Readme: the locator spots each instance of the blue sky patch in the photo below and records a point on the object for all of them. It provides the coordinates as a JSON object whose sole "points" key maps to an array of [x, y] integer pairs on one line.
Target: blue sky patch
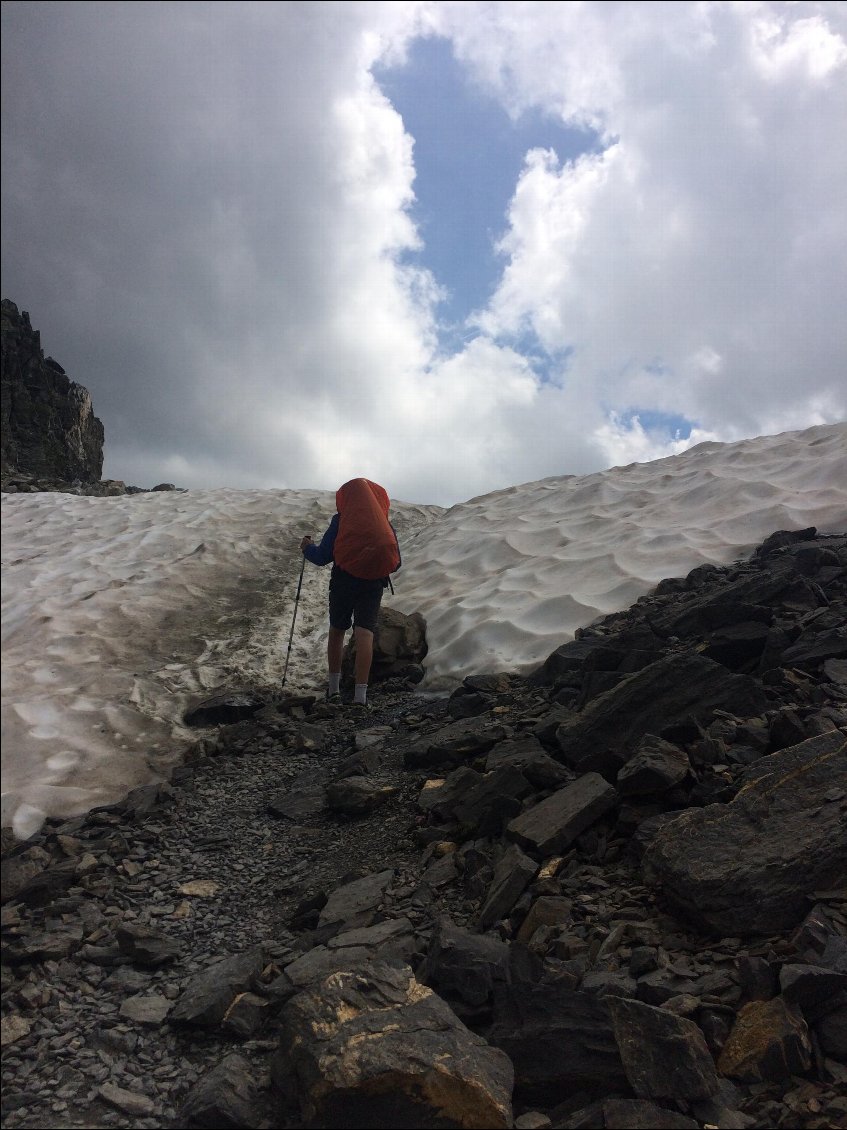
{"points": [[468, 155], [675, 427]]}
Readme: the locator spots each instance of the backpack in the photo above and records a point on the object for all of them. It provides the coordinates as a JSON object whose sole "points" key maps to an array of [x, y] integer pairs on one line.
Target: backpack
{"points": [[366, 544]]}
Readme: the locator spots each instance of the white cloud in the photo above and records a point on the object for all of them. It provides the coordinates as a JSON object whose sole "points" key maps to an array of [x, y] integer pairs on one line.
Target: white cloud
{"points": [[625, 442], [691, 267], [784, 48], [207, 213]]}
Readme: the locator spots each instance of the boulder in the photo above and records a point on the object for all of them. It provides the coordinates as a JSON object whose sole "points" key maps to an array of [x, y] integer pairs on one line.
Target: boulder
{"points": [[629, 650], [246, 1015], [483, 808], [439, 796], [547, 910], [317, 964], [224, 710], [303, 799], [814, 648], [656, 766], [23, 871], [376, 1048], [749, 867], [737, 644], [748, 596], [225, 1097], [781, 539], [813, 989], [768, 1042], [356, 796], [149, 1011], [831, 1032], [208, 996], [463, 968], [146, 946], [393, 940], [559, 1040], [628, 1114], [399, 648], [130, 1103], [664, 1056]]}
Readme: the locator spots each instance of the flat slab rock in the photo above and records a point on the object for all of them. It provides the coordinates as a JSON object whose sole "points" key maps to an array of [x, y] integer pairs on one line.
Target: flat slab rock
{"points": [[555, 823], [357, 900], [303, 799], [512, 875], [528, 755], [392, 940], [454, 744], [749, 867]]}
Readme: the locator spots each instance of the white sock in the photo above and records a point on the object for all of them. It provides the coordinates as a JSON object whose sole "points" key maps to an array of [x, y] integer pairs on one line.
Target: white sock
{"points": [[334, 683], [360, 694]]}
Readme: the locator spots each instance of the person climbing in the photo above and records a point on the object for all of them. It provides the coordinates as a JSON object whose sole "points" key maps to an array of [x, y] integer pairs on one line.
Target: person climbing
{"points": [[362, 545]]}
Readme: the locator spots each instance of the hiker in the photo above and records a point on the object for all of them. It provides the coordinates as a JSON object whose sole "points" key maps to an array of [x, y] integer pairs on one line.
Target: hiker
{"points": [[362, 545]]}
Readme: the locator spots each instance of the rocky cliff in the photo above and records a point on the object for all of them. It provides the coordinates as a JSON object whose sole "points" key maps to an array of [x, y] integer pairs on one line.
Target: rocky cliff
{"points": [[49, 426]]}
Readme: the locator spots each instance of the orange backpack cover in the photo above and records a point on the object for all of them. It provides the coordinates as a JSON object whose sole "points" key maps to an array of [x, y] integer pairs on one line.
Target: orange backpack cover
{"points": [[366, 545]]}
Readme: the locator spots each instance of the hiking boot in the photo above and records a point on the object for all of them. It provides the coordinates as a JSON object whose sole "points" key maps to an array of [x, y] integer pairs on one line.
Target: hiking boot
{"points": [[364, 707], [333, 699]]}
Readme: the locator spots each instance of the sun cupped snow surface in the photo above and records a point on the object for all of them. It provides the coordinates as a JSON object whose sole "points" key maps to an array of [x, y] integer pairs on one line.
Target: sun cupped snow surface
{"points": [[504, 579], [118, 613]]}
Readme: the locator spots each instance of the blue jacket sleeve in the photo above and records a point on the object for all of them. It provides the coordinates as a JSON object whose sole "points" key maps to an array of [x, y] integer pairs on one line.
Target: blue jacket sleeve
{"points": [[321, 554]]}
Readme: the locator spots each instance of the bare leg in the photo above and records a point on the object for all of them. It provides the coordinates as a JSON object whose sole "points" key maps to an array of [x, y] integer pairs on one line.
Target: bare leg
{"points": [[364, 654], [334, 650]]}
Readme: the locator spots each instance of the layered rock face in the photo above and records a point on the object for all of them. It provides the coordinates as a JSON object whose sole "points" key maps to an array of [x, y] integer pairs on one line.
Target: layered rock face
{"points": [[49, 427]]}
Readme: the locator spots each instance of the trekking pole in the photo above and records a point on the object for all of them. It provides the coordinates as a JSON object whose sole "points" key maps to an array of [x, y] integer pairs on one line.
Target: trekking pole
{"points": [[293, 618]]}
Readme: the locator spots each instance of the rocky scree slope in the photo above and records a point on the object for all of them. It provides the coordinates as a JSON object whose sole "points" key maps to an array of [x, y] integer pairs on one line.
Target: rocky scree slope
{"points": [[607, 895]]}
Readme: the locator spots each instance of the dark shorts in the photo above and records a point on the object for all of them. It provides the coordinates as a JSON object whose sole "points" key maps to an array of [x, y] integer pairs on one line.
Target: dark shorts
{"points": [[353, 600]]}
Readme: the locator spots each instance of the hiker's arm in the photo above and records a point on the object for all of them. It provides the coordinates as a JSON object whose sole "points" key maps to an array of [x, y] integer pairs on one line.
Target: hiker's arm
{"points": [[321, 554]]}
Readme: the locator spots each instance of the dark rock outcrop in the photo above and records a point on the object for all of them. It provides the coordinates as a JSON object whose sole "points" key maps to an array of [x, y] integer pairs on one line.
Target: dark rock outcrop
{"points": [[49, 429], [665, 695]]}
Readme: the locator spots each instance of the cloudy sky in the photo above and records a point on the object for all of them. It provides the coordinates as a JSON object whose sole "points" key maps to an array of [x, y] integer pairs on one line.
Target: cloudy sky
{"points": [[449, 246]]}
